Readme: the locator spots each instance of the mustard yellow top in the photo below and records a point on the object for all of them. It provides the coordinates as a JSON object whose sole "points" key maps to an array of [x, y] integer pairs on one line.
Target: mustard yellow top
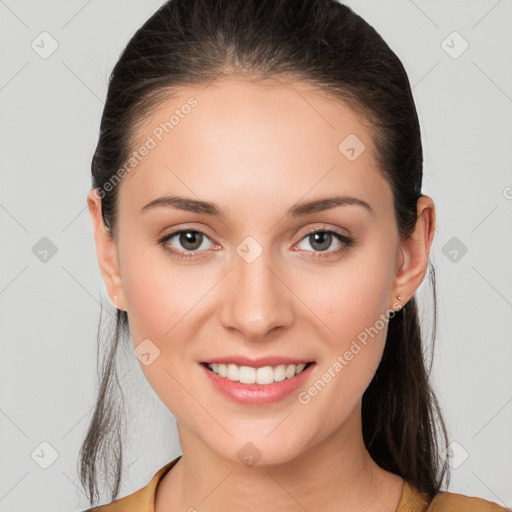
{"points": [[411, 500]]}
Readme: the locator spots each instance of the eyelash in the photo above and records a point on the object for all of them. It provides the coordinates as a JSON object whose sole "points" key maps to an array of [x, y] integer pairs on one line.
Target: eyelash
{"points": [[346, 241]]}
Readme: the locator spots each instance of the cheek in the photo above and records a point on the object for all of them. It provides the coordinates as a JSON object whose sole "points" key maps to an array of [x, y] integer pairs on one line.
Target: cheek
{"points": [[160, 296], [353, 296], [354, 305], [161, 303]]}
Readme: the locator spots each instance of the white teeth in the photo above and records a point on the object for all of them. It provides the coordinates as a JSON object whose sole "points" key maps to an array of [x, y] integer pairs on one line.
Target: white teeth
{"points": [[264, 375], [280, 373], [300, 367], [232, 372], [247, 375], [222, 370]]}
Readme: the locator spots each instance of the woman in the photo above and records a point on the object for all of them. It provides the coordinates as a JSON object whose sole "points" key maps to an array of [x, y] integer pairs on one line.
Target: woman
{"points": [[260, 227]]}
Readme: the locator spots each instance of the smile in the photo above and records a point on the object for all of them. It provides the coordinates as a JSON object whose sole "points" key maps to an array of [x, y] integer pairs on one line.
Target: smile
{"points": [[257, 386], [263, 376]]}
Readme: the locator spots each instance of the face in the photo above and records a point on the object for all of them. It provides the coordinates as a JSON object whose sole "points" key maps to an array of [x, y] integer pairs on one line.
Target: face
{"points": [[253, 281]]}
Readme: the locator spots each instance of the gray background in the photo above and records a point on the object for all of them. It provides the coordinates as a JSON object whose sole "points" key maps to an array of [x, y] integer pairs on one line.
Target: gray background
{"points": [[49, 310]]}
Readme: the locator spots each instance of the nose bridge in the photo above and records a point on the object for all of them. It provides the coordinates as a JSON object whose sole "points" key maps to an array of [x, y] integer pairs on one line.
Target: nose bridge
{"points": [[257, 301]]}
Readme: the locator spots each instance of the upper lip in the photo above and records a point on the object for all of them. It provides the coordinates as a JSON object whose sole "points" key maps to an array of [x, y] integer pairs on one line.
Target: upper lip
{"points": [[258, 362]]}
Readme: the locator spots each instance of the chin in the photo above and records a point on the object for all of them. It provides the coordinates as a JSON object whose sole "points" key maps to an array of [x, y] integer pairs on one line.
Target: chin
{"points": [[254, 448]]}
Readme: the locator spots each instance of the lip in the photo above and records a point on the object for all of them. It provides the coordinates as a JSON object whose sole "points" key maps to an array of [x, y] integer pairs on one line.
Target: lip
{"points": [[256, 394], [259, 362]]}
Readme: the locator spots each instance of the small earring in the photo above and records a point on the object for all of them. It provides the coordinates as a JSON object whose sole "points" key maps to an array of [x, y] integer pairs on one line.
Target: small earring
{"points": [[115, 298], [399, 299]]}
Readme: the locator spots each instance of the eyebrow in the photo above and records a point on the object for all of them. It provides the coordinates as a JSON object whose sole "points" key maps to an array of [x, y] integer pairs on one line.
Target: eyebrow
{"points": [[297, 210]]}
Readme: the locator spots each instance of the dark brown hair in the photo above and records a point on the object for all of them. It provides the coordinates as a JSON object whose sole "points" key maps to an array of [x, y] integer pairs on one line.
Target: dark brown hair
{"points": [[325, 44]]}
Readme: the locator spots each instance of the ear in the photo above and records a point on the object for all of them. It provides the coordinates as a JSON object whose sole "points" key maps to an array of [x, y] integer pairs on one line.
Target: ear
{"points": [[106, 251], [415, 251]]}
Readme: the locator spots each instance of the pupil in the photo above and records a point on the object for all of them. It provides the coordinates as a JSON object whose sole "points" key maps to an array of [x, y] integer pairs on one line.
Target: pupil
{"points": [[325, 240], [188, 238]]}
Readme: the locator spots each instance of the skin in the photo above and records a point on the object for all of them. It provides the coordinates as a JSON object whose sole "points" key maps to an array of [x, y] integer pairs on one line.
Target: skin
{"points": [[256, 149]]}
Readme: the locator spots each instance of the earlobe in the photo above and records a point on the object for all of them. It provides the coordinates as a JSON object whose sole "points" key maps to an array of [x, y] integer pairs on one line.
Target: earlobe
{"points": [[415, 251], [106, 251]]}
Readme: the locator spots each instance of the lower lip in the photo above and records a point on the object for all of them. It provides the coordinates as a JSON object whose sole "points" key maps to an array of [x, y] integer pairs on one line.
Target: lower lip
{"points": [[257, 393]]}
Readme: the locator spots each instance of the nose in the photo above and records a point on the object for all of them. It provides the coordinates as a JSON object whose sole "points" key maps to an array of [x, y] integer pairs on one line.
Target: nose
{"points": [[256, 300]]}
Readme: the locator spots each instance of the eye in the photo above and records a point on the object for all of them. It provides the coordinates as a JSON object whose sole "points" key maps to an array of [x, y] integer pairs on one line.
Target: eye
{"points": [[321, 239], [190, 240]]}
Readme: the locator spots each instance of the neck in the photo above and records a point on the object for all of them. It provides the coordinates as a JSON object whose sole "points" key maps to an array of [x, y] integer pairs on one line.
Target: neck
{"points": [[335, 474]]}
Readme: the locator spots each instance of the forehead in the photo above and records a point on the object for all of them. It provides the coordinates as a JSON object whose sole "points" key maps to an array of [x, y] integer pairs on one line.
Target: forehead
{"points": [[289, 109], [271, 137]]}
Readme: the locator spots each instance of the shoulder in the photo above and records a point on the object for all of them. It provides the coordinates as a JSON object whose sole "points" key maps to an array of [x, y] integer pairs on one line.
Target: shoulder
{"points": [[140, 501], [414, 501], [448, 502]]}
